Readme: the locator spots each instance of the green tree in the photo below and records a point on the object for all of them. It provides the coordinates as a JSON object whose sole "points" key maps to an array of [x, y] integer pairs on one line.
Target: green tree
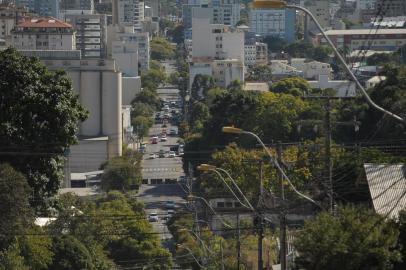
{"points": [[142, 124], [300, 49], [294, 85], [36, 249], [402, 240], [275, 44], [353, 239], [39, 116], [201, 85], [148, 97], [153, 78], [121, 173], [70, 253], [322, 53], [161, 49], [199, 114], [14, 206], [176, 34], [260, 74], [11, 259]]}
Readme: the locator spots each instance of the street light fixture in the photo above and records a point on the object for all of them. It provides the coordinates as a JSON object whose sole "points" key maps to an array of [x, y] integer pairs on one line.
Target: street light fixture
{"points": [[283, 4], [234, 130], [208, 167], [191, 253], [198, 238], [191, 197]]}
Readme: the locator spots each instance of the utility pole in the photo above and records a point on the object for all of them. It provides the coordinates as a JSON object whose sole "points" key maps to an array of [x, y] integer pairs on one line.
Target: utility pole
{"points": [[282, 229], [328, 163], [238, 242], [261, 222], [222, 257]]}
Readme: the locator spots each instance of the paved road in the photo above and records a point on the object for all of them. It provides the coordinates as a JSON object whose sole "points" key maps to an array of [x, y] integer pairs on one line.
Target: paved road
{"points": [[155, 195]]}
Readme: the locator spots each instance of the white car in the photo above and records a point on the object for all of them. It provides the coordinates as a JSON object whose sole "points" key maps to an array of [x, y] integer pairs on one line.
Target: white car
{"points": [[164, 139], [152, 156], [171, 154], [153, 217]]}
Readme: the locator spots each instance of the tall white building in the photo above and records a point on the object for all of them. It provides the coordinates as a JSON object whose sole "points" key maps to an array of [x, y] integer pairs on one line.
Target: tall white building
{"points": [[129, 36], [9, 14], [226, 12], [216, 40], [91, 34], [43, 34], [321, 10], [217, 50], [266, 21], [128, 13], [126, 56]]}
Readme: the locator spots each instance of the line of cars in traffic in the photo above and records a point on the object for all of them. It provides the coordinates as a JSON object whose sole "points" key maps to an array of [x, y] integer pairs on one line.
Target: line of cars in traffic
{"points": [[170, 207]]}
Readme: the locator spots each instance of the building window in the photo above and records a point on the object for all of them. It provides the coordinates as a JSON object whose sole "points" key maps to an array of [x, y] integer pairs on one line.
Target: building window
{"points": [[220, 204], [229, 204]]}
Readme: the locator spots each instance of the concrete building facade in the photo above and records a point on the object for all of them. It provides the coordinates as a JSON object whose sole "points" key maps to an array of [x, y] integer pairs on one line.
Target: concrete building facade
{"points": [[359, 39], [216, 40], [128, 13], [44, 8], [273, 22], [43, 34], [129, 36], [91, 34], [9, 14], [126, 56]]}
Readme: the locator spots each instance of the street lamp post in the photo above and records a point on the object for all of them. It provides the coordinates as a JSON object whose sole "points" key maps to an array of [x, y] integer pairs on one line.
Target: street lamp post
{"points": [[234, 130], [207, 167], [191, 253], [283, 4], [211, 208]]}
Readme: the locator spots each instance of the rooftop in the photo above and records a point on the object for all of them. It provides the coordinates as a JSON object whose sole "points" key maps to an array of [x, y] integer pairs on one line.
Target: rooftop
{"points": [[364, 32], [387, 186], [43, 23]]}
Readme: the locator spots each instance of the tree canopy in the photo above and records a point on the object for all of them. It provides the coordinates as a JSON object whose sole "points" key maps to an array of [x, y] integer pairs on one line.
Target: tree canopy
{"points": [[353, 239], [39, 116], [161, 49]]}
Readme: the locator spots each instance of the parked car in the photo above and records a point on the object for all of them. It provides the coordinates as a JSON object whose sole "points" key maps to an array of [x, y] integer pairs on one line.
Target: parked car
{"points": [[154, 140], [152, 156], [161, 153], [163, 138], [153, 217], [171, 154], [173, 131], [170, 205]]}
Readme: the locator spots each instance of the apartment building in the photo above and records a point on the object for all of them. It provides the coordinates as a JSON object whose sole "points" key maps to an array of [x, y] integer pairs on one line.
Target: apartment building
{"points": [[267, 21], [43, 34], [321, 10], [9, 14], [311, 69], [77, 5], [391, 8], [358, 39], [126, 56], [129, 36], [43, 8], [255, 53], [216, 40], [91, 34], [128, 13], [225, 12]]}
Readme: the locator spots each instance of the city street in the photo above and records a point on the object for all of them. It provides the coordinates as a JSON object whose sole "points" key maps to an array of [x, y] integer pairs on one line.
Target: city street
{"points": [[161, 174]]}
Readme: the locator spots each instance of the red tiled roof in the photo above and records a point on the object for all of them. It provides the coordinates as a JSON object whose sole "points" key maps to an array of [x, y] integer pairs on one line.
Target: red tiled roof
{"points": [[43, 23]]}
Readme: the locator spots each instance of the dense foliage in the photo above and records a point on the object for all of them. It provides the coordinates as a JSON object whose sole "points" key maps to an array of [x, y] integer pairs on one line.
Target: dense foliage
{"points": [[39, 116]]}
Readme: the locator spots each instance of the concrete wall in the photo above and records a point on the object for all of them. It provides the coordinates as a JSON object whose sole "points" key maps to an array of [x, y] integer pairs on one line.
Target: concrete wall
{"points": [[88, 155], [131, 87]]}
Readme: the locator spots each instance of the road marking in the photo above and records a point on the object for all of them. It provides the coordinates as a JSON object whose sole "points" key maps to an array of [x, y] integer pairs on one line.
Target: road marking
{"points": [[160, 169]]}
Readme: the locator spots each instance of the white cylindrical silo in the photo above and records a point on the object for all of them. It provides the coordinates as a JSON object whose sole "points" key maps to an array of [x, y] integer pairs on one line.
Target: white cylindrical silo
{"points": [[111, 111], [91, 100]]}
